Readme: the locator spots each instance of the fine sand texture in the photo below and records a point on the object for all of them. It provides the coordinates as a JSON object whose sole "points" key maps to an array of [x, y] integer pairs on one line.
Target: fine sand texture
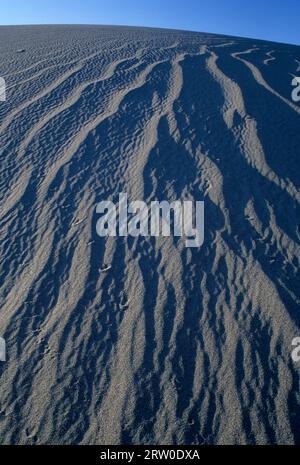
{"points": [[169, 345]]}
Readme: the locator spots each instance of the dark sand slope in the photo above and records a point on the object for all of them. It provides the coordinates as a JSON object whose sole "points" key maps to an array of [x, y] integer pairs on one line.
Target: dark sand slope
{"points": [[171, 345]]}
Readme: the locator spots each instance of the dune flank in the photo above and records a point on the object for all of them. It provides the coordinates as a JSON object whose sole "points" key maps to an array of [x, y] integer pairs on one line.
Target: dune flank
{"points": [[170, 344]]}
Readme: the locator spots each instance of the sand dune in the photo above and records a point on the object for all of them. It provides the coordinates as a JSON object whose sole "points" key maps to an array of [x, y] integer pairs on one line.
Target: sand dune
{"points": [[168, 345]]}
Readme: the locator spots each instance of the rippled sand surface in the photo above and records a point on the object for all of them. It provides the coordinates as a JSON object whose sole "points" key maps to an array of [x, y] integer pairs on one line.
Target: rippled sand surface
{"points": [[172, 345]]}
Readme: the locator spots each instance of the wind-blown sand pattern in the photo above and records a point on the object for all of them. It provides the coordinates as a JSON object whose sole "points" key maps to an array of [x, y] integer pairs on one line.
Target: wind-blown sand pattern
{"points": [[170, 345]]}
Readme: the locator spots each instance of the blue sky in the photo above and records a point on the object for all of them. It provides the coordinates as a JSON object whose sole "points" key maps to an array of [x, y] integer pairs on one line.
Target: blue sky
{"points": [[277, 20]]}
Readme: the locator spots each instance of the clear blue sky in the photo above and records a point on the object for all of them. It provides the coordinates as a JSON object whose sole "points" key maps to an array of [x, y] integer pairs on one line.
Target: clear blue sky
{"points": [[277, 20]]}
